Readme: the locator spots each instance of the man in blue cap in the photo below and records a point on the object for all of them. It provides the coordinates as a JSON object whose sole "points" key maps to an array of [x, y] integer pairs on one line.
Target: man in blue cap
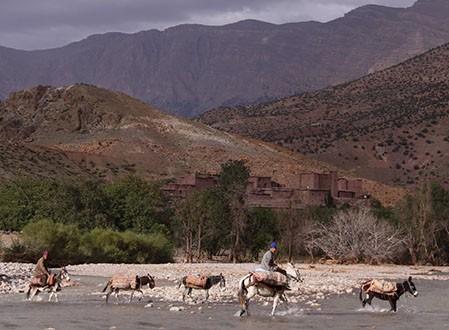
{"points": [[268, 263]]}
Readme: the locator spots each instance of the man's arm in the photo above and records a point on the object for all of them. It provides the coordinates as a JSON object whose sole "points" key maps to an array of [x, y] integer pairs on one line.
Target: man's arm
{"points": [[267, 260]]}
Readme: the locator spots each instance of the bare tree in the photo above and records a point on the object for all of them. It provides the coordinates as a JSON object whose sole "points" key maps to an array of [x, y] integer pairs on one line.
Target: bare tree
{"points": [[424, 218], [358, 236], [295, 225]]}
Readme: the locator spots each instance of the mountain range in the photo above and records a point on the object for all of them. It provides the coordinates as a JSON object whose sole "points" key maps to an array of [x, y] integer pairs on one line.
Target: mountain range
{"points": [[189, 69], [391, 126]]}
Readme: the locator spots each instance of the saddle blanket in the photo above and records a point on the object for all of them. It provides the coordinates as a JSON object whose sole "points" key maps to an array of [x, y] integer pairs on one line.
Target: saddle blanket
{"points": [[38, 281], [383, 287], [197, 281], [271, 278], [41, 280], [120, 281]]}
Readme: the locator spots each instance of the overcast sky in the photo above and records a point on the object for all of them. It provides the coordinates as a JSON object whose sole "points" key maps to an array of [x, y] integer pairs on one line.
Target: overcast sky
{"points": [[42, 24]]}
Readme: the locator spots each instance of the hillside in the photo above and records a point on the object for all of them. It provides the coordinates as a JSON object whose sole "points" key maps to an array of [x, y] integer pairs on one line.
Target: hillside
{"points": [[189, 69], [82, 131], [391, 126]]}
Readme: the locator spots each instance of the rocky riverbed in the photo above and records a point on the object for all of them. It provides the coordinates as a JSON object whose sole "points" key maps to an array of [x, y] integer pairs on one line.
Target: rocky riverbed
{"points": [[320, 280]]}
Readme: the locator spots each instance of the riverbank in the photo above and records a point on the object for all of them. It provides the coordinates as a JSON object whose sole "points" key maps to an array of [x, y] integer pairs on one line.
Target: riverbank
{"points": [[320, 280]]}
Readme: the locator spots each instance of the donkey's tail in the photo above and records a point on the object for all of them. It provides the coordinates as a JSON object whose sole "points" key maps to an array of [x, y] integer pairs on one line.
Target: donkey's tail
{"points": [[242, 289], [361, 293], [182, 281], [109, 283]]}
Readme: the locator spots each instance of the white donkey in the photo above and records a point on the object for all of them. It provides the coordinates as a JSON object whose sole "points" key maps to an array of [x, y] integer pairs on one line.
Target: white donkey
{"points": [[250, 286]]}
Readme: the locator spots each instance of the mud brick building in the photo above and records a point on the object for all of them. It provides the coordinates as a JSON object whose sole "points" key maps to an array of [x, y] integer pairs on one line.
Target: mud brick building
{"points": [[309, 189], [184, 185]]}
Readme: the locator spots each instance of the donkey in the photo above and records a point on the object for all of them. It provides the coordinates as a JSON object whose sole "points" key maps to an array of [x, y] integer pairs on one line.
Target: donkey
{"points": [[123, 282], [392, 297], [200, 282], [250, 286], [53, 288]]}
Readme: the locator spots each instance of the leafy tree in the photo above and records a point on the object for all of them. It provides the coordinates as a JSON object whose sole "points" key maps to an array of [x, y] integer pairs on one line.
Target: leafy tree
{"points": [[93, 209], [134, 204], [186, 216], [261, 228], [217, 225], [27, 199], [232, 182], [199, 219], [20, 198]]}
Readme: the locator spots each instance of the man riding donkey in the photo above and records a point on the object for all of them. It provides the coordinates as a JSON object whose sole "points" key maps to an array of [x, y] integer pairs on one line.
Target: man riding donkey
{"points": [[267, 280], [42, 275], [268, 272]]}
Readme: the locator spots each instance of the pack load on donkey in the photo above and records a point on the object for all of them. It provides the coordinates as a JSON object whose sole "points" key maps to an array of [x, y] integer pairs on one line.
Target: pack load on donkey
{"points": [[383, 287], [201, 282], [121, 281], [271, 278], [196, 281]]}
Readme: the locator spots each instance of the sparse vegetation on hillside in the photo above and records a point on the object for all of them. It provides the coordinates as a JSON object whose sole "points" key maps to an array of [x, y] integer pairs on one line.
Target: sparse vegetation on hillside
{"points": [[389, 126], [119, 135]]}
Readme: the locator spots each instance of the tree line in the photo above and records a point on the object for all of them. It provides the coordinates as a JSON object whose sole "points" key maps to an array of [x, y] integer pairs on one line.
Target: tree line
{"points": [[132, 220]]}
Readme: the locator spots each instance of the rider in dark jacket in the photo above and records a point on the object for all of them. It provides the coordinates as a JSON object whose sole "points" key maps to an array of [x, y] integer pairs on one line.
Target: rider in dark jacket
{"points": [[41, 270]]}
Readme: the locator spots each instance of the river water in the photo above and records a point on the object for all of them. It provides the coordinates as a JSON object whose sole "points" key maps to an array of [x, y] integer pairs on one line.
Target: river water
{"points": [[82, 307]]}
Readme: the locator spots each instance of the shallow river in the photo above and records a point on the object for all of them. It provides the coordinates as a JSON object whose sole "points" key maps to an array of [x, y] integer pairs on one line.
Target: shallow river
{"points": [[78, 308]]}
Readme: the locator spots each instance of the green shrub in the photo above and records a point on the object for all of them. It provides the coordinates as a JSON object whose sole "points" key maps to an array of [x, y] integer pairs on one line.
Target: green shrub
{"points": [[62, 241], [102, 245], [107, 245]]}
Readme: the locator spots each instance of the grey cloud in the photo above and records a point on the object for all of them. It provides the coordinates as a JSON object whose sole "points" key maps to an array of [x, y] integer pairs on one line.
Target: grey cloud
{"points": [[31, 24]]}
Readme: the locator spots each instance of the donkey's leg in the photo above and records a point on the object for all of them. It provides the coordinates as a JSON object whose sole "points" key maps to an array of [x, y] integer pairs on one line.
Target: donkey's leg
{"points": [[370, 298], [206, 294], [243, 293], [252, 291], [284, 299], [365, 299], [31, 293], [275, 302], [393, 304], [184, 294], [111, 289], [28, 292], [116, 291], [53, 293], [141, 294], [132, 294]]}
